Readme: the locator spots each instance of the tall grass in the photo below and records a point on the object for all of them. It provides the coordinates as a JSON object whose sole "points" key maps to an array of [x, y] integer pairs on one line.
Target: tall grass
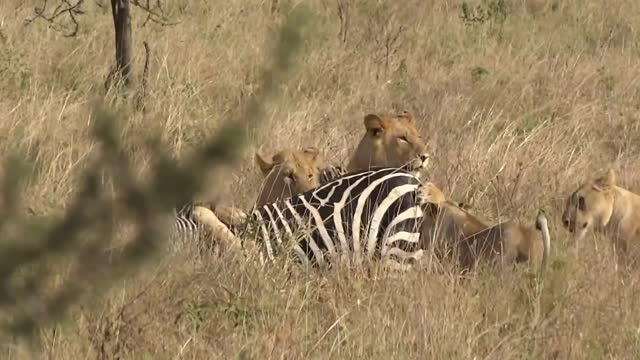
{"points": [[519, 105]]}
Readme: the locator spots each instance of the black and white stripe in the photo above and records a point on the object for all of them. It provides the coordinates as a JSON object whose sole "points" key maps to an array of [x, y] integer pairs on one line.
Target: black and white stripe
{"points": [[371, 214], [331, 173], [185, 228], [185, 222]]}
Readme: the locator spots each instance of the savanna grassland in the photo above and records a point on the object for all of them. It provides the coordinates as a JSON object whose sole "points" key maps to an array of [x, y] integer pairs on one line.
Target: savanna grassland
{"points": [[520, 100]]}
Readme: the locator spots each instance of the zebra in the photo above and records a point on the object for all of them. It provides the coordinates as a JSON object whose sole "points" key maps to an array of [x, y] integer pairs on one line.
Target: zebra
{"points": [[368, 214]]}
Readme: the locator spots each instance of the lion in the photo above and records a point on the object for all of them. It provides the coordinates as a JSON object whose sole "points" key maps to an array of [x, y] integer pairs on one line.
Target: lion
{"points": [[289, 172], [392, 141], [600, 204], [286, 172], [507, 242]]}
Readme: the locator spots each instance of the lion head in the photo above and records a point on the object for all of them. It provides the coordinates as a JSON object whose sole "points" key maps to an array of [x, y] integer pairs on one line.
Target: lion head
{"points": [[289, 172], [390, 141], [591, 206]]}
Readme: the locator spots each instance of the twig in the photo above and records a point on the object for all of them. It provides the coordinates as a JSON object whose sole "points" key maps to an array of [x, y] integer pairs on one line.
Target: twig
{"points": [[326, 333], [343, 15], [155, 16], [184, 346], [145, 79], [67, 7], [72, 8]]}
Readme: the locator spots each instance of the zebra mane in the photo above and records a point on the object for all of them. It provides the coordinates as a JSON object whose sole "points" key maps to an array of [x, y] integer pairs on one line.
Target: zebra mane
{"points": [[332, 173], [184, 209]]}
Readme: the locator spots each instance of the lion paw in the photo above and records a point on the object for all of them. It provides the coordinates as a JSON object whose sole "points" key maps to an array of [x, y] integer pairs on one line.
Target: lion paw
{"points": [[430, 193]]}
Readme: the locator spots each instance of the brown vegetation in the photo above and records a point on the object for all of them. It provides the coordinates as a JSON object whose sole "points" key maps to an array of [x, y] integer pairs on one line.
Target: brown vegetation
{"points": [[521, 101]]}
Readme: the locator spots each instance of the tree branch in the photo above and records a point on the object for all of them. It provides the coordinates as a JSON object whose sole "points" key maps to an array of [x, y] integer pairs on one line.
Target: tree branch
{"points": [[155, 13], [63, 17], [69, 7], [141, 105]]}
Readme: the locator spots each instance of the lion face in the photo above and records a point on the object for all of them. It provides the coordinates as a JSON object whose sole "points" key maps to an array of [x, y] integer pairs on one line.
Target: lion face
{"points": [[289, 172], [390, 141], [590, 206]]}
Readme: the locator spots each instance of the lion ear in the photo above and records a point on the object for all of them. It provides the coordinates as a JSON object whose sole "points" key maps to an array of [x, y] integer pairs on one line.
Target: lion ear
{"points": [[607, 181], [312, 152], [611, 178], [281, 156], [265, 162], [408, 117], [374, 124]]}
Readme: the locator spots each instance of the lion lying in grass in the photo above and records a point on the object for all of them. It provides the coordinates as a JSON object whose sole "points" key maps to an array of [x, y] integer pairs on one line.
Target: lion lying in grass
{"points": [[474, 241]]}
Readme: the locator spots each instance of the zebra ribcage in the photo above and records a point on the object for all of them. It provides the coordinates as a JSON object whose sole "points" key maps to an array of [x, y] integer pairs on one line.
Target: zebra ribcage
{"points": [[370, 214], [186, 230], [186, 226]]}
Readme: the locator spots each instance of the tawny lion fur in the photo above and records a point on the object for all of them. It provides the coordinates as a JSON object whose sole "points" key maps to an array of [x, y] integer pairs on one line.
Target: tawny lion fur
{"points": [[289, 172], [392, 141], [474, 240], [286, 172], [601, 205]]}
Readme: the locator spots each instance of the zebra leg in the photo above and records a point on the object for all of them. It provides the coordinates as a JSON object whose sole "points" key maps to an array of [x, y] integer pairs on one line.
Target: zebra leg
{"points": [[219, 230]]}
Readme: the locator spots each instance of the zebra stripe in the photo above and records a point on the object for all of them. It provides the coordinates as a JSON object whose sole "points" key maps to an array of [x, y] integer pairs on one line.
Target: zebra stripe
{"points": [[186, 229], [374, 213], [381, 210], [186, 225], [337, 214], [318, 254]]}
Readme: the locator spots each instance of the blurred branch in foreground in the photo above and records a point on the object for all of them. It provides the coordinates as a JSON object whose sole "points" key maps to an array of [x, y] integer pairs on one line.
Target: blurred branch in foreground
{"points": [[47, 263]]}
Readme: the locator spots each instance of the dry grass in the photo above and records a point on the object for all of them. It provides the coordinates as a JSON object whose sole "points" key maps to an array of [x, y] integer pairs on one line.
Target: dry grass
{"points": [[518, 111]]}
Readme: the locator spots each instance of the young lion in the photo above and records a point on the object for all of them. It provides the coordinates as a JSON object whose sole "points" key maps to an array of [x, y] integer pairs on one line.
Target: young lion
{"points": [[601, 205], [286, 172], [474, 240], [289, 172]]}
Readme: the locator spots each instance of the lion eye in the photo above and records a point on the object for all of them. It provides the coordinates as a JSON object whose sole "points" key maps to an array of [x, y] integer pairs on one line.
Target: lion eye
{"points": [[404, 138], [582, 205], [376, 132]]}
